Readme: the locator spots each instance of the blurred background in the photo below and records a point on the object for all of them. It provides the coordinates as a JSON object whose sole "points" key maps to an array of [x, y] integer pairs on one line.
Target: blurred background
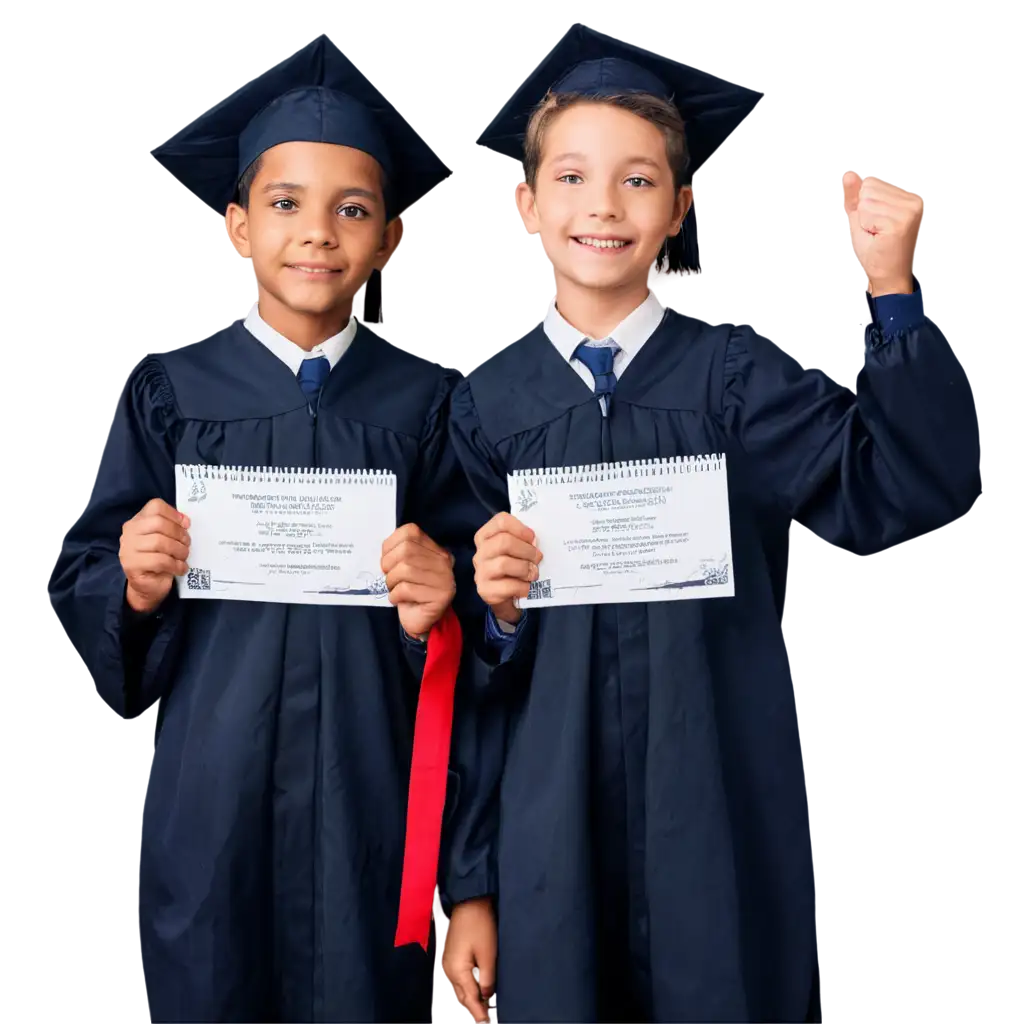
{"points": [[909, 665]]}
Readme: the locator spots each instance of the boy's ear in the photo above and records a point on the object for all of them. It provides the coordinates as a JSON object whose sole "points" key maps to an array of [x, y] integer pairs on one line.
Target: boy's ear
{"points": [[237, 221], [684, 200], [389, 243], [524, 207]]}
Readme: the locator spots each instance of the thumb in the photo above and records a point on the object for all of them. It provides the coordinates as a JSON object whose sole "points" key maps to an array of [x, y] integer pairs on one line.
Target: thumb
{"points": [[850, 189]]}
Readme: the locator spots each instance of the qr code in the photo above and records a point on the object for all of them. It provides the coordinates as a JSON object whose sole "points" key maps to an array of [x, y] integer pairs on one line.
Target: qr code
{"points": [[540, 588], [199, 579]]}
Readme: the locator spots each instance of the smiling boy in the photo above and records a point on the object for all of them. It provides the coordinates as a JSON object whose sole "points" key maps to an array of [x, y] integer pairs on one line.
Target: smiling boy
{"points": [[644, 852], [276, 810]]}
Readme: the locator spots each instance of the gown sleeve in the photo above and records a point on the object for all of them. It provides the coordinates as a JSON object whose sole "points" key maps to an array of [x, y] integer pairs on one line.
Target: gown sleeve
{"points": [[441, 505], [868, 470], [469, 852], [129, 656]]}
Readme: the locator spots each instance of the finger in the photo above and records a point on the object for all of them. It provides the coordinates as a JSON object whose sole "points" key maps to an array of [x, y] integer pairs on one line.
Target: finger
{"points": [[418, 593], [159, 507], [486, 965], [428, 542], [157, 524], [439, 579], [878, 208], [471, 994], [881, 193], [410, 532], [407, 532], [157, 542], [155, 565], [504, 567], [413, 552], [507, 544], [503, 522], [875, 222], [494, 592], [459, 1001]]}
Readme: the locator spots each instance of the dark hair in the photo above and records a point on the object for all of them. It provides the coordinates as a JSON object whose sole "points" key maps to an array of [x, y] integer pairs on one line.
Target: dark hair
{"points": [[246, 180], [679, 251]]}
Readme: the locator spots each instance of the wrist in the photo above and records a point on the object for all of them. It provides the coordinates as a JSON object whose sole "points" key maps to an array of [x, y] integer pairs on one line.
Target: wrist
{"points": [[476, 903], [507, 612], [890, 286], [140, 603]]}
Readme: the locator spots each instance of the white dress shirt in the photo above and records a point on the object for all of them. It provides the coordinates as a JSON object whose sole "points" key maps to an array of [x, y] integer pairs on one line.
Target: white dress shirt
{"points": [[630, 336], [291, 354]]}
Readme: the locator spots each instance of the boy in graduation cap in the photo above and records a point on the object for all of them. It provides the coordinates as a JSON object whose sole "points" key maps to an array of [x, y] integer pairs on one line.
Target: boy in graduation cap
{"points": [[645, 849], [272, 851]]}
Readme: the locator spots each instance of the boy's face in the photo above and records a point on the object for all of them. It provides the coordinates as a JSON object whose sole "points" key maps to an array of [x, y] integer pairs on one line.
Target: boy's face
{"points": [[605, 198], [315, 226]]}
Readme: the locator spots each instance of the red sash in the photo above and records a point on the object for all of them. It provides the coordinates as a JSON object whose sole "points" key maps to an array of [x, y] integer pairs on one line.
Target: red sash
{"points": [[428, 781]]}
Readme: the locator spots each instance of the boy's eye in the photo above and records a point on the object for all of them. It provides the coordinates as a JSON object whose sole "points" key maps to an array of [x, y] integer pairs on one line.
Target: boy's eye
{"points": [[575, 179], [636, 181], [284, 204], [352, 212]]}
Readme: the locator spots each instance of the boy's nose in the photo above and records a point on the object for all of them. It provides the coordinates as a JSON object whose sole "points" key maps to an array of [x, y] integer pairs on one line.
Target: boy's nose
{"points": [[320, 232], [605, 204]]}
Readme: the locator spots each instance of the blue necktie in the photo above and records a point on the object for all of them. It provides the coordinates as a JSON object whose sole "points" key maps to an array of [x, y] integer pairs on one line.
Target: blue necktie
{"points": [[599, 360], [311, 376]]}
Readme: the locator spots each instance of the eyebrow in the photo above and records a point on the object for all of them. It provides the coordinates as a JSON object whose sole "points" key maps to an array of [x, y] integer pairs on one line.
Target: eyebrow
{"points": [[629, 160], [642, 160], [291, 186]]}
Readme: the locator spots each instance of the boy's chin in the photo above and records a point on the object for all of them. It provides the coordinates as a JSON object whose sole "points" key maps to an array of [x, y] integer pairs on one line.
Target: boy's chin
{"points": [[301, 301], [601, 278]]}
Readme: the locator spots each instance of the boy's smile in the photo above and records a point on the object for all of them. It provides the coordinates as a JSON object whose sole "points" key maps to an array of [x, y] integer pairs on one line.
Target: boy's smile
{"points": [[314, 268], [315, 228], [604, 244]]}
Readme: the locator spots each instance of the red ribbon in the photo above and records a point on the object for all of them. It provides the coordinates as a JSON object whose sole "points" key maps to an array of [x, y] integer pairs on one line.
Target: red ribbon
{"points": [[428, 781]]}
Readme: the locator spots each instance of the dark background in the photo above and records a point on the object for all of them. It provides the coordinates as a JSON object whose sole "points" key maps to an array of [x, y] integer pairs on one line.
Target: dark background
{"points": [[909, 667]]}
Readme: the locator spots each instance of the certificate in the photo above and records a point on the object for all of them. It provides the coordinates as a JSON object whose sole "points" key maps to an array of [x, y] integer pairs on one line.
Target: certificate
{"points": [[650, 530], [298, 536]]}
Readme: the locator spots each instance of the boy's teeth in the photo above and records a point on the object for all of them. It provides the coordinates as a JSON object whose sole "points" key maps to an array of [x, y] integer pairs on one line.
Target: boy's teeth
{"points": [[603, 243]]}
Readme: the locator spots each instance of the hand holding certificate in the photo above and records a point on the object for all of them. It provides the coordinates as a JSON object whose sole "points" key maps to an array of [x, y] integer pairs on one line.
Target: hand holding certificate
{"points": [[300, 536], [652, 530]]}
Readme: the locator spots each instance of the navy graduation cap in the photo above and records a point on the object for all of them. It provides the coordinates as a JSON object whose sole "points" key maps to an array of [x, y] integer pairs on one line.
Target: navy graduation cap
{"points": [[588, 63], [314, 93]]}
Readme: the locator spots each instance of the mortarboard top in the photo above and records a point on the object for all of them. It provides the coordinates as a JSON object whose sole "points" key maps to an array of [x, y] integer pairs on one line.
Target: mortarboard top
{"points": [[315, 93], [591, 64]]}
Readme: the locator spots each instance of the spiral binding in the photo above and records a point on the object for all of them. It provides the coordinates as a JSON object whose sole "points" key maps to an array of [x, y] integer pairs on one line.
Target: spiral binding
{"points": [[627, 470], [287, 475]]}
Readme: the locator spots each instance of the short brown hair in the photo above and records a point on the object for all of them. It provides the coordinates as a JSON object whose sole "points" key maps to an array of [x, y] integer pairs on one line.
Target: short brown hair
{"points": [[246, 180], [661, 113]]}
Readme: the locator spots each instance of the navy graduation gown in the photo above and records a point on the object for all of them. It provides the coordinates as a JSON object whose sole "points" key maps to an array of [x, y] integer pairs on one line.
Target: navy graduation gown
{"points": [[275, 814], [640, 809]]}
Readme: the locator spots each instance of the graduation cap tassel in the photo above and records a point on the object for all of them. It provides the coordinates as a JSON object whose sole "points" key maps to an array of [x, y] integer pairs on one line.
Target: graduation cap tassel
{"points": [[372, 298], [685, 250]]}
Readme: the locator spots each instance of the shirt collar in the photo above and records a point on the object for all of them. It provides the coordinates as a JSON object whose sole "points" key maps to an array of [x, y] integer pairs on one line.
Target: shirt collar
{"points": [[288, 352], [630, 334]]}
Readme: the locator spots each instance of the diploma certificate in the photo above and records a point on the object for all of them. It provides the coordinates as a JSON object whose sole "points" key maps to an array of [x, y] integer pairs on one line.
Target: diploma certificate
{"points": [[650, 530], [298, 536]]}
